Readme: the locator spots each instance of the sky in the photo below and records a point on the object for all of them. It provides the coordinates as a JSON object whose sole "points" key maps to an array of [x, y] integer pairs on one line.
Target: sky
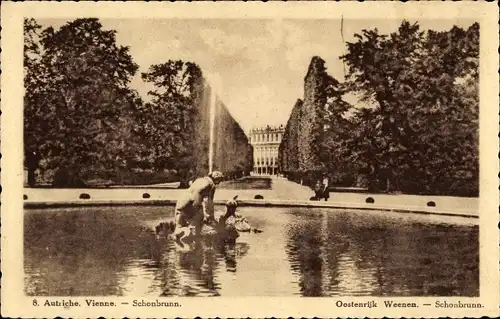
{"points": [[257, 66]]}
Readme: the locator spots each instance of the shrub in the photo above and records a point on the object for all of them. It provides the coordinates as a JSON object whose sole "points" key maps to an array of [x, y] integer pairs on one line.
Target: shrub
{"points": [[66, 177], [370, 200]]}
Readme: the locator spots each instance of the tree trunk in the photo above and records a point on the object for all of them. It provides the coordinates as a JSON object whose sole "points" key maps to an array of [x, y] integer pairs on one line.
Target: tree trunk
{"points": [[31, 177], [388, 185]]}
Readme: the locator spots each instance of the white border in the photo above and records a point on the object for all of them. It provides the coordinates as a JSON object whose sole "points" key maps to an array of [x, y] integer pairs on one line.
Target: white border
{"points": [[15, 303]]}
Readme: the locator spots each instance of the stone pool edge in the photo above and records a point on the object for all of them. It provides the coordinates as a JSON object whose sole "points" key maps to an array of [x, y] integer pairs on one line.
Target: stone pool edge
{"points": [[256, 203]]}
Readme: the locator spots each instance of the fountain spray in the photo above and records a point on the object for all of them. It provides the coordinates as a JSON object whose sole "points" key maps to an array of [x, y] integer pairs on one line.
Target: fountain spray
{"points": [[213, 85], [213, 101]]}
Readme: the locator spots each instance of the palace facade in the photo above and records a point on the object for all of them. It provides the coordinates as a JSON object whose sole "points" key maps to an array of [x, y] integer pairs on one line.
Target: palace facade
{"points": [[265, 142]]}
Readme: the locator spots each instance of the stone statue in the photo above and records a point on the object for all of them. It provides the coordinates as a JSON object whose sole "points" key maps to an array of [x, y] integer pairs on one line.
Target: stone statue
{"points": [[225, 226], [195, 207]]}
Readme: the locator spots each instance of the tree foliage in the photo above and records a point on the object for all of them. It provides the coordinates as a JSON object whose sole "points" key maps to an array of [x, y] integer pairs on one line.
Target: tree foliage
{"points": [[424, 129], [78, 105], [310, 125], [288, 150], [83, 121], [177, 124], [421, 136], [312, 142], [169, 120], [233, 153]]}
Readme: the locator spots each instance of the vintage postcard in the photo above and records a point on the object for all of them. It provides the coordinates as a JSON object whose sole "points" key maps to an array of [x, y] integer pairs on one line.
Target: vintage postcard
{"points": [[231, 159]]}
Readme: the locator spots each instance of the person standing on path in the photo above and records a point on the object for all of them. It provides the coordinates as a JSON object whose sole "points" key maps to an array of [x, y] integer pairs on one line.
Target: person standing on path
{"points": [[32, 161], [318, 190], [326, 187], [196, 205]]}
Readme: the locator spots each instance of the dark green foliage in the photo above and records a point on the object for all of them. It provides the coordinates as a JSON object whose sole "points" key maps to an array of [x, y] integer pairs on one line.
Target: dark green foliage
{"points": [[310, 124], [315, 134], [78, 106], [84, 196], [233, 154], [142, 176], [178, 121], [248, 182], [420, 136], [82, 122], [288, 150], [170, 120]]}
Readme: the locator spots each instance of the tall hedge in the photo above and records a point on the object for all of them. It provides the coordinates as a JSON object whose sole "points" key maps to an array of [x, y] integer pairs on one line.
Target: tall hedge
{"points": [[310, 124], [310, 145], [232, 151], [288, 149]]}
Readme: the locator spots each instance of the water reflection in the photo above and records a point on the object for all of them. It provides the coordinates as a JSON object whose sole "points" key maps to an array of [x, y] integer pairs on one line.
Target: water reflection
{"points": [[187, 271], [304, 250], [113, 251], [80, 253], [356, 254]]}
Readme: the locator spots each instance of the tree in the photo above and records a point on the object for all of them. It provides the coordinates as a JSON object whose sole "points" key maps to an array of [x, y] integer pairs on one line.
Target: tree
{"points": [[448, 123], [172, 117], [379, 67], [77, 113], [417, 80], [337, 129], [177, 123], [33, 79]]}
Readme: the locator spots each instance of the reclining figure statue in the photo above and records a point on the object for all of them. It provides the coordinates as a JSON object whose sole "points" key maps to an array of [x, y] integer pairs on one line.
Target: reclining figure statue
{"points": [[226, 226]]}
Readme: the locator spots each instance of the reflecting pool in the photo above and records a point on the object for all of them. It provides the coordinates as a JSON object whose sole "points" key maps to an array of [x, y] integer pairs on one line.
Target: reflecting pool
{"points": [[113, 251]]}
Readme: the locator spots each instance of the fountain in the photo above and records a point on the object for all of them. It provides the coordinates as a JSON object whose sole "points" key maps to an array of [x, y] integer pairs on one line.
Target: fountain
{"points": [[214, 87], [213, 101]]}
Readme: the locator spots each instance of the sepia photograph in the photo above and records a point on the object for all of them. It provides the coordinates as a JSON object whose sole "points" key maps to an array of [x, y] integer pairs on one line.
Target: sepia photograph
{"points": [[169, 157]]}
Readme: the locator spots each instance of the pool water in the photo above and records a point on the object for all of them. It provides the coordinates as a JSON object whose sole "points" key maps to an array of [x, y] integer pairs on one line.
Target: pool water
{"points": [[307, 252]]}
